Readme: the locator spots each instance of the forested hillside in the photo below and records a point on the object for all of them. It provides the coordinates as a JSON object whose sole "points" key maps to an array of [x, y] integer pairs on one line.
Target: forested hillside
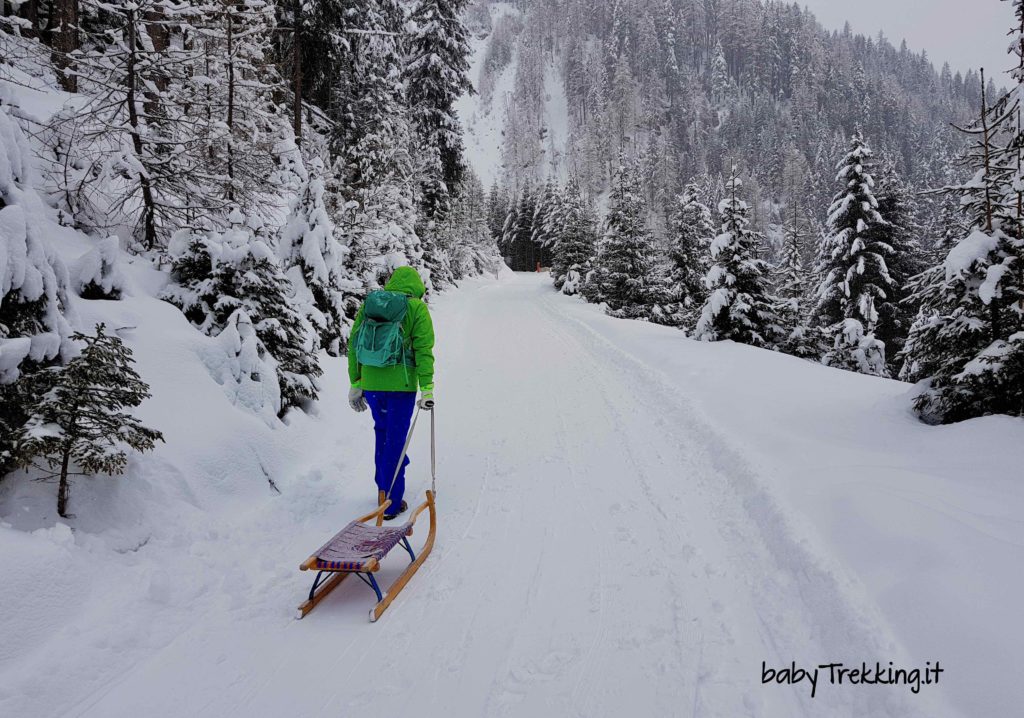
{"points": [[691, 87], [732, 168], [274, 159]]}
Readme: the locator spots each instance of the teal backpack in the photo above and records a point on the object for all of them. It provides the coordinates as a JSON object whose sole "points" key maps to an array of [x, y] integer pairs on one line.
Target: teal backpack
{"points": [[379, 342]]}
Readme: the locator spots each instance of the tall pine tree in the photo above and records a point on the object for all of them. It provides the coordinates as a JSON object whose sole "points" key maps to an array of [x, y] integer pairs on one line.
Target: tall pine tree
{"points": [[967, 344], [576, 238], [852, 264], [435, 77], [739, 306], [621, 271], [690, 234]]}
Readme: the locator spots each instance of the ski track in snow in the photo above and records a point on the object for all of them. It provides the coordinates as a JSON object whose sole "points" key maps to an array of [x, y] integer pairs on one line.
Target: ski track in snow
{"points": [[601, 549]]}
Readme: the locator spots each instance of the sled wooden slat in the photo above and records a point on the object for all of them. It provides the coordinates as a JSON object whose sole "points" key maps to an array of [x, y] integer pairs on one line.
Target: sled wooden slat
{"points": [[400, 582], [332, 559]]}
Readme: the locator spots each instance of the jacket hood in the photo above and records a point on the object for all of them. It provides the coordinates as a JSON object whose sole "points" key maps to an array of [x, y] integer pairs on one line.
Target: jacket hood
{"points": [[407, 281]]}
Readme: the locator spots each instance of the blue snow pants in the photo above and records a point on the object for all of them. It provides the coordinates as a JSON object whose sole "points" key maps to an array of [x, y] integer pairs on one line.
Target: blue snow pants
{"points": [[392, 414]]}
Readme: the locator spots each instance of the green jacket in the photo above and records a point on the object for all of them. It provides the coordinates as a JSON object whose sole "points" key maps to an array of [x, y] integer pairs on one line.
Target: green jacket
{"points": [[416, 326]]}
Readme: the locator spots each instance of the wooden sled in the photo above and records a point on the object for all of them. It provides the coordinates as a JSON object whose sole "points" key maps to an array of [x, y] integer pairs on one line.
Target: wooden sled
{"points": [[359, 548]]}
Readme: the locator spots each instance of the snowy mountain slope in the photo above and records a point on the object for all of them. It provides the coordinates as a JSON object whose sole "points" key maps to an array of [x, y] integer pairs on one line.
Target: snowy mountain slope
{"points": [[619, 508], [484, 117]]}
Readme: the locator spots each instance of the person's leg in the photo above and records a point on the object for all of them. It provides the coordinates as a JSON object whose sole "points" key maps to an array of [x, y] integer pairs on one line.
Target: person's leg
{"points": [[378, 409], [400, 405]]}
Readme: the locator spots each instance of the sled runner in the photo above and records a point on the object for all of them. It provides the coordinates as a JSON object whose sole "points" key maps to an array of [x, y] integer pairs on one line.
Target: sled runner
{"points": [[361, 546]]}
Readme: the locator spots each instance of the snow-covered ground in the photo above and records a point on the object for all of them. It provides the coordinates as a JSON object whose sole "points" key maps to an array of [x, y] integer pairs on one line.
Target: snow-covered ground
{"points": [[629, 522]]}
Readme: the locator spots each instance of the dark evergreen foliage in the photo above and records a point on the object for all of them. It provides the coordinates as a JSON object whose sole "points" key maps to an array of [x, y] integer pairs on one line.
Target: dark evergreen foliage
{"points": [[739, 306], [80, 420], [575, 243], [621, 273], [215, 274], [435, 77]]}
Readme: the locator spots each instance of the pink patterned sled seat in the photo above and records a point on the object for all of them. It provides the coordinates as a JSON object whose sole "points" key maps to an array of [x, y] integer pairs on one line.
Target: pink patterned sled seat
{"points": [[357, 544]]}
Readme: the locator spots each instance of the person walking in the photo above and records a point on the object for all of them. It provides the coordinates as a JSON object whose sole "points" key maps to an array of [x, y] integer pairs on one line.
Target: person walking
{"points": [[391, 356]]}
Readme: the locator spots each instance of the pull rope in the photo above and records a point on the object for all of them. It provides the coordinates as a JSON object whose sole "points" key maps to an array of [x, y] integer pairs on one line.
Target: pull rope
{"points": [[405, 450]]}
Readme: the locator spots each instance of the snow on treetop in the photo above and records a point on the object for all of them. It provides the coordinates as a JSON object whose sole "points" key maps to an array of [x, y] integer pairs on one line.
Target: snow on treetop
{"points": [[13, 153], [974, 247], [722, 242], [730, 203]]}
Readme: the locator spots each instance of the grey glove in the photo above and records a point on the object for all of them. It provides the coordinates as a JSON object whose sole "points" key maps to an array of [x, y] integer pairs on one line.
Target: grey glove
{"points": [[426, 401], [356, 400]]}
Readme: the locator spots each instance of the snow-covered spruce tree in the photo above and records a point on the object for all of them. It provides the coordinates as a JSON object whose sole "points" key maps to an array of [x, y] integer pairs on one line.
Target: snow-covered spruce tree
{"points": [[436, 258], [367, 255], [244, 368], [791, 277], [471, 247], [551, 231], [81, 421], [509, 228], [546, 218], [518, 242], [625, 255], [375, 138], [498, 203], [905, 259], [739, 306], [132, 153], [576, 240], [721, 83], [34, 333], [791, 292], [315, 263], [967, 344], [851, 262], [690, 233], [217, 273], [97, 273], [235, 91], [435, 77]]}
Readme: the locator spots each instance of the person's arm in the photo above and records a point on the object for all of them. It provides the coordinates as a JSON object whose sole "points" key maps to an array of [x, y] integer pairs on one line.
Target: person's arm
{"points": [[423, 346], [354, 372]]}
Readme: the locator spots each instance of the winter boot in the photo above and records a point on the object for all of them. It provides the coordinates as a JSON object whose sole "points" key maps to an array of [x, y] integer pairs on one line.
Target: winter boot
{"points": [[401, 510]]}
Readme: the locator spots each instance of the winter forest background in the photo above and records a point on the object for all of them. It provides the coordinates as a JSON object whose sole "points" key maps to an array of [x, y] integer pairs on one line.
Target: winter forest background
{"points": [[731, 168], [727, 167]]}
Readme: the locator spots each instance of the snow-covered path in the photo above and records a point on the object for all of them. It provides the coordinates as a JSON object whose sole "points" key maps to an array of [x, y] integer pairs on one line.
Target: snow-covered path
{"points": [[602, 550], [604, 546]]}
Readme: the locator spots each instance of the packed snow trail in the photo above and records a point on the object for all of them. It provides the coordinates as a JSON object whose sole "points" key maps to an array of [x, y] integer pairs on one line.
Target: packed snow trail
{"points": [[602, 551]]}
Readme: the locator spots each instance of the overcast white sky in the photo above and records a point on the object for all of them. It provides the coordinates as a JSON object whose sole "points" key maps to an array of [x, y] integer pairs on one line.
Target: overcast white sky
{"points": [[966, 33]]}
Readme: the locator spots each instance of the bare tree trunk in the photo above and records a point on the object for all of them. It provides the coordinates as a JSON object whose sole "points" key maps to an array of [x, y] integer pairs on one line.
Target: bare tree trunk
{"points": [[65, 42], [993, 308], [148, 203], [1020, 222], [1020, 194], [231, 102], [30, 11], [985, 149], [297, 71], [46, 33], [64, 490], [160, 36]]}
